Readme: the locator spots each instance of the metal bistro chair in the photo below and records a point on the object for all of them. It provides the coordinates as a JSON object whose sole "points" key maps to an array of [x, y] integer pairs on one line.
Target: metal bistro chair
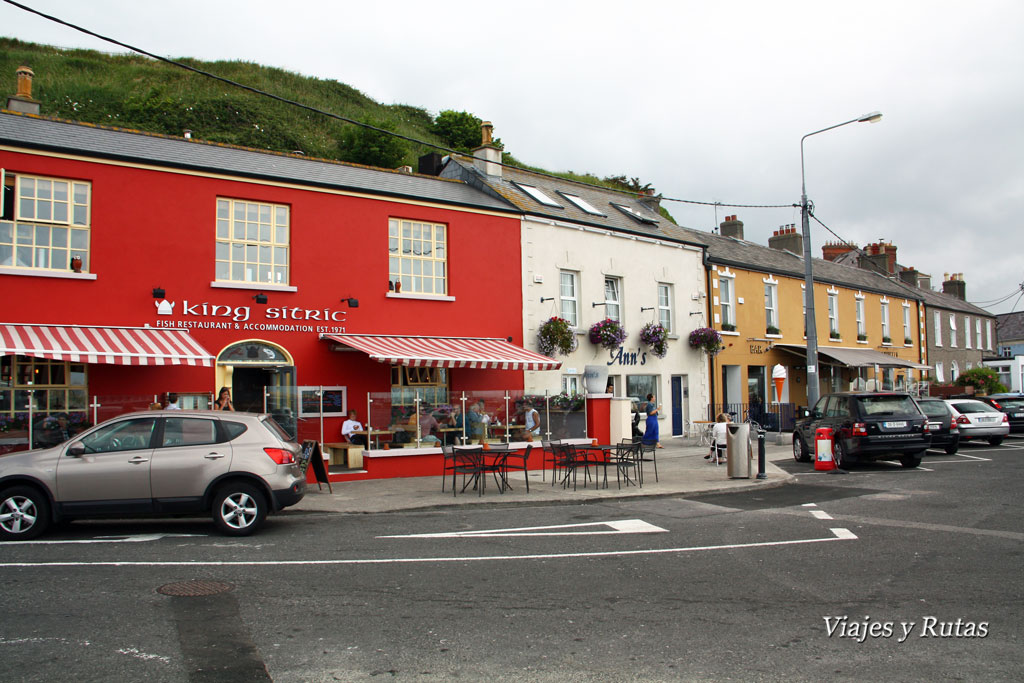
{"points": [[648, 453], [458, 462], [548, 448], [626, 457], [517, 461]]}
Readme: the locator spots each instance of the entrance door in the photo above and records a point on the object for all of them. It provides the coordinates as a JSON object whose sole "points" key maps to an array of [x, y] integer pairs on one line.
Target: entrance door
{"points": [[247, 388], [680, 404]]}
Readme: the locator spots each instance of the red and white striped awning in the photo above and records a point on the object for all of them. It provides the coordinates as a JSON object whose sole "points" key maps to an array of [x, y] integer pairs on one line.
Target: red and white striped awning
{"points": [[115, 345], [446, 352]]}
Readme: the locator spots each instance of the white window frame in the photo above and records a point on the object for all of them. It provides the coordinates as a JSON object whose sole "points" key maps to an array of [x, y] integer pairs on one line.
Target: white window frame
{"points": [[833, 314], [571, 384], [885, 322], [771, 305], [613, 297], [727, 304], [938, 328], [906, 323], [988, 334], [261, 248], [952, 332], [967, 332], [954, 370], [859, 313], [415, 270], [977, 332], [27, 239], [665, 316], [940, 375], [568, 302]]}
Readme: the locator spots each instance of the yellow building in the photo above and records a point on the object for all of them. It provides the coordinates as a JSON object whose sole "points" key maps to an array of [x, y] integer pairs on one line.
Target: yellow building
{"points": [[870, 328]]}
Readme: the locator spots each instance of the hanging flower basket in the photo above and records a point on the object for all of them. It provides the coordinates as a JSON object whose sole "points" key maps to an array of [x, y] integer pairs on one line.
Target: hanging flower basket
{"points": [[706, 339], [656, 337], [556, 336], [608, 333]]}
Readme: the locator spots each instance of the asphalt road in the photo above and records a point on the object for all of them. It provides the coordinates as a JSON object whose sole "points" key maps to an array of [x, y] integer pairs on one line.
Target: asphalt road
{"points": [[883, 573]]}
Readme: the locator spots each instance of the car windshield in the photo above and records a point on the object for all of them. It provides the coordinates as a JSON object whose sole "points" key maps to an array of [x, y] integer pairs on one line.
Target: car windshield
{"points": [[888, 405], [974, 407], [1011, 403], [276, 429], [934, 408]]}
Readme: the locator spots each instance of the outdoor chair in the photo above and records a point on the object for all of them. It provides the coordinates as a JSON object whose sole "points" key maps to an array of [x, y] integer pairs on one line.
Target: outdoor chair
{"points": [[648, 453], [517, 461], [626, 457]]}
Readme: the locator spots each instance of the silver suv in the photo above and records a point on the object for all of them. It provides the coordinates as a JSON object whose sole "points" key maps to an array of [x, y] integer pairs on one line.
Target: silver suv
{"points": [[236, 466]]}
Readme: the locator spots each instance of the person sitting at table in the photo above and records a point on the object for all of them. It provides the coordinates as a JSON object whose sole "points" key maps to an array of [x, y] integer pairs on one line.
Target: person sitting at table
{"points": [[353, 425], [428, 425], [531, 420], [474, 421]]}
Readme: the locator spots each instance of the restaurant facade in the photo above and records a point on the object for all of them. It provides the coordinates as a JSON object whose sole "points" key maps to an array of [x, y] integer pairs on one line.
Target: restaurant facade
{"points": [[133, 266]]}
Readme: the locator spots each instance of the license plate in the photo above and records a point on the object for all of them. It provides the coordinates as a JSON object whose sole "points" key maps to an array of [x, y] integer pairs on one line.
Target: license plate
{"points": [[894, 425], [1018, 414]]}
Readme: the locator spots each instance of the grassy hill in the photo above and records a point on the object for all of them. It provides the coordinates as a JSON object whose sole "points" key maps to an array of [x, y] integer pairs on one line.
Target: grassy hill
{"points": [[132, 91]]}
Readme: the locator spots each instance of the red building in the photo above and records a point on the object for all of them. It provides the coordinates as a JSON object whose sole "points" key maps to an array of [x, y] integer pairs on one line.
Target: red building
{"points": [[264, 262]]}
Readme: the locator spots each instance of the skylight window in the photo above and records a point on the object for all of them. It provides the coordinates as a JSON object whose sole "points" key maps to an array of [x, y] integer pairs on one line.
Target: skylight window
{"points": [[582, 204], [538, 195], [636, 215]]}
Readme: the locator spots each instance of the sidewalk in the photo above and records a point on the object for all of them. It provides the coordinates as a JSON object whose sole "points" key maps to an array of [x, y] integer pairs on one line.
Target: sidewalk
{"points": [[682, 470]]}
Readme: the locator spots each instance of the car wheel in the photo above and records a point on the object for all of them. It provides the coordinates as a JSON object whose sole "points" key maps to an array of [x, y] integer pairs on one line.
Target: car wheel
{"points": [[839, 455], [800, 453], [239, 509], [995, 440], [952, 448], [24, 513], [910, 460]]}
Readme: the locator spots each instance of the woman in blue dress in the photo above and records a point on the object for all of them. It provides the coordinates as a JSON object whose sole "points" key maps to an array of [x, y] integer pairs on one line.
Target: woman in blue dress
{"points": [[651, 432]]}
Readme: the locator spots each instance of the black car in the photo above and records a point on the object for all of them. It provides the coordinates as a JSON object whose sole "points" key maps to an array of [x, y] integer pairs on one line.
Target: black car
{"points": [[866, 426], [1011, 404], [942, 424]]}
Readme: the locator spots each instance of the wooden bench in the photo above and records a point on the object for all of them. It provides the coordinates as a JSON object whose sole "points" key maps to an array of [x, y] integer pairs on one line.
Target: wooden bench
{"points": [[343, 453]]}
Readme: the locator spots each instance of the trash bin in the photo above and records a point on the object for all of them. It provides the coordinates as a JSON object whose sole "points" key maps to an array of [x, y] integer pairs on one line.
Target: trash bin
{"points": [[737, 445]]}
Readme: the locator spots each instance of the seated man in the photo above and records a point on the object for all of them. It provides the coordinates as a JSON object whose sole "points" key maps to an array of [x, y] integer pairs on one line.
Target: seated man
{"points": [[353, 425]]}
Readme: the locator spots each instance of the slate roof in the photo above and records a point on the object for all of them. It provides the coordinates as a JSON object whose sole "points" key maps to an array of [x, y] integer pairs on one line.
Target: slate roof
{"points": [[935, 299], [600, 198], [1010, 327], [42, 133]]}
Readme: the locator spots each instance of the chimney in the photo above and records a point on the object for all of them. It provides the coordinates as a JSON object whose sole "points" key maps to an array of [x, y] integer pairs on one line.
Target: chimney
{"points": [[833, 250], [431, 163], [954, 285], [909, 276], [786, 238], [879, 257], [487, 155], [22, 101], [731, 227]]}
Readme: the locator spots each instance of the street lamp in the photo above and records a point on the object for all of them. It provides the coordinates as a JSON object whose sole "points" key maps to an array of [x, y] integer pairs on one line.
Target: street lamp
{"points": [[811, 328]]}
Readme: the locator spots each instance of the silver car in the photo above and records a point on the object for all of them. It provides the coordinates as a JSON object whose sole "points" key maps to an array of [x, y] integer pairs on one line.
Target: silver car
{"points": [[979, 420], [236, 466]]}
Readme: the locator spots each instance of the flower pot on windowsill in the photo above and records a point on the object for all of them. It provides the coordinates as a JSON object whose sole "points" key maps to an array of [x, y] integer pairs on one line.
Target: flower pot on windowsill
{"points": [[728, 327], [771, 329], [76, 264]]}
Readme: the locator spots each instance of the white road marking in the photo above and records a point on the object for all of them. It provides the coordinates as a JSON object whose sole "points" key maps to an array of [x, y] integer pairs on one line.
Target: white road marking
{"points": [[625, 526], [821, 514], [838, 535], [809, 505], [142, 538], [923, 469]]}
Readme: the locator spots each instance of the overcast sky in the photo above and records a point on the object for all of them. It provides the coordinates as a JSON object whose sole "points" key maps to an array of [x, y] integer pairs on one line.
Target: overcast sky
{"points": [[707, 101]]}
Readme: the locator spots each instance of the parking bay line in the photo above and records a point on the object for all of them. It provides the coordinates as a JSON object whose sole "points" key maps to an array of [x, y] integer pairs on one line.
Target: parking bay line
{"points": [[837, 535]]}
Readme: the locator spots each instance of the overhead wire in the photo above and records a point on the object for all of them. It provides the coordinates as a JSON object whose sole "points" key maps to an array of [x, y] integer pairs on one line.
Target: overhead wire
{"points": [[344, 119]]}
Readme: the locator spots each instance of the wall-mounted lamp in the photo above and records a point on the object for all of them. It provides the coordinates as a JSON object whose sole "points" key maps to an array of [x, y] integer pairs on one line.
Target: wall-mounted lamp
{"points": [[646, 308], [599, 303], [159, 293], [260, 298], [696, 312], [352, 303], [546, 298], [508, 339]]}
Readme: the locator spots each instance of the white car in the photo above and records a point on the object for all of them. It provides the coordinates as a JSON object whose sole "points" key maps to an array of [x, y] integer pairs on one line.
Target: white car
{"points": [[979, 420]]}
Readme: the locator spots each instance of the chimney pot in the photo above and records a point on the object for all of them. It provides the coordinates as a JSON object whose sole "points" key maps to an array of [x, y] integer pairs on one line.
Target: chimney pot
{"points": [[188, 134], [22, 101], [487, 133]]}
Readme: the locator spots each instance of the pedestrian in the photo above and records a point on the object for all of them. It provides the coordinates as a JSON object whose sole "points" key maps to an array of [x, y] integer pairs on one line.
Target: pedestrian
{"points": [[223, 401], [718, 438], [651, 431], [172, 402]]}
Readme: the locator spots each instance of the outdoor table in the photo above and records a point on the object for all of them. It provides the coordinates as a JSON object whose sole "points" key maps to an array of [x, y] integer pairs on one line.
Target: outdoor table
{"points": [[374, 435], [486, 461]]}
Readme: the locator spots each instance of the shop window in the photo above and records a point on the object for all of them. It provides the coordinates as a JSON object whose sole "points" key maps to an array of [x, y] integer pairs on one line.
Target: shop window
{"points": [[665, 306], [252, 242], [567, 287], [50, 387], [44, 223], [638, 386], [418, 257], [431, 384]]}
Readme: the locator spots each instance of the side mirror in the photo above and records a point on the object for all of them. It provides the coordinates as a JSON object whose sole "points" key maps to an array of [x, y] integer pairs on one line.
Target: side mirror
{"points": [[76, 450]]}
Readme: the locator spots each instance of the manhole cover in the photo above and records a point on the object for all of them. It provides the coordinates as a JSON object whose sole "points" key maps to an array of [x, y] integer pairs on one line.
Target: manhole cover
{"points": [[194, 589]]}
